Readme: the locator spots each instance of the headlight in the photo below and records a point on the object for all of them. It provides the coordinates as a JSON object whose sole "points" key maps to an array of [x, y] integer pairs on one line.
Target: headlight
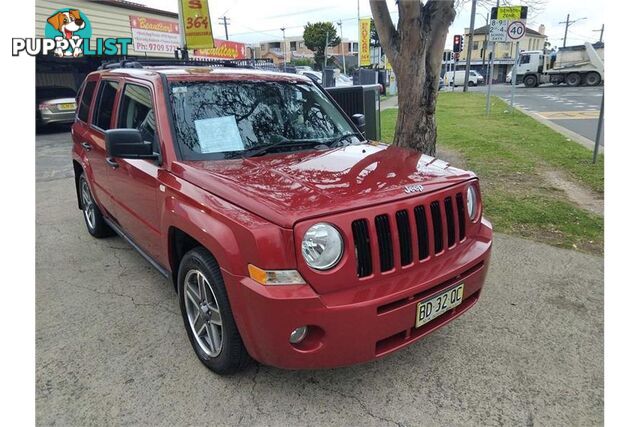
{"points": [[322, 246], [472, 202]]}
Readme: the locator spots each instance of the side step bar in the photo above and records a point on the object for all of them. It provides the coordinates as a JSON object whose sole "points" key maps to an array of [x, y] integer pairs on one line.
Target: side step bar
{"points": [[146, 256]]}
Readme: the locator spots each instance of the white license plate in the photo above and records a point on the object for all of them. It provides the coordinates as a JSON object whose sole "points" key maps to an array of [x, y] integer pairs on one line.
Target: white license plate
{"points": [[433, 307]]}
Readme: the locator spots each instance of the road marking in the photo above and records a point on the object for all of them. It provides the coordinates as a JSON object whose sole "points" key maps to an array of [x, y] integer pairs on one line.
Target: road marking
{"points": [[565, 115]]}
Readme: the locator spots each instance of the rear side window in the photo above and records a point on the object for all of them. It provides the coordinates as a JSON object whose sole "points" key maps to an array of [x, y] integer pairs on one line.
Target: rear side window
{"points": [[85, 102], [136, 111], [104, 104]]}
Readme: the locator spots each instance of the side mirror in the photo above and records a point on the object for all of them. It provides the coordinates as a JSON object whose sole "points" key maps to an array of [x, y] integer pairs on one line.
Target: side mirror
{"points": [[128, 144], [358, 120]]}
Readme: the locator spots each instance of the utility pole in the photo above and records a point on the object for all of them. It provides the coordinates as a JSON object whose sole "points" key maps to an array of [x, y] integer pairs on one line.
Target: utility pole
{"points": [[567, 24], [344, 66], [326, 47], [469, 46], [601, 30], [225, 21], [284, 50]]}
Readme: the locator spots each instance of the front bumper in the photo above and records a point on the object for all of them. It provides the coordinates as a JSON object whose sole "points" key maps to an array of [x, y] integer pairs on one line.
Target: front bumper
{"points": [[358, 324]]}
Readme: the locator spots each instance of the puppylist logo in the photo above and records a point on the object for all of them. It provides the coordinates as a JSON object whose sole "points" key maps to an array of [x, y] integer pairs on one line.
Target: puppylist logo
{"points": [[67, 34]]}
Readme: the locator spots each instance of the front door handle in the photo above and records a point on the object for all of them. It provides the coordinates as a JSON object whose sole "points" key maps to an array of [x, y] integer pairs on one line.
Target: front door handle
{"points": [[111, 162], [86, 146]]}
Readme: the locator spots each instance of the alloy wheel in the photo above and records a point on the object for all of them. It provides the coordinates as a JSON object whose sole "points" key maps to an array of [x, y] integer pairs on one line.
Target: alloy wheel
{"points": [[203, 313], [88, 206]]}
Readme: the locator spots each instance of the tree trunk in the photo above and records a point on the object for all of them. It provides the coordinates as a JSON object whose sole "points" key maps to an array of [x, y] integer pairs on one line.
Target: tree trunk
{"points": [[415, 51]]}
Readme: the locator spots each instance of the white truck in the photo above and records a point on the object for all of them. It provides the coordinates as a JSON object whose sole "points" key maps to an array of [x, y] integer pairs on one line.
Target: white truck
{"points": [[573, 65]]}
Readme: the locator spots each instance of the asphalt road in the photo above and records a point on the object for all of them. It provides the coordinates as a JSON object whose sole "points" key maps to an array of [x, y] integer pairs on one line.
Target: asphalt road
{"points": [[111, 347], [576, 109]]}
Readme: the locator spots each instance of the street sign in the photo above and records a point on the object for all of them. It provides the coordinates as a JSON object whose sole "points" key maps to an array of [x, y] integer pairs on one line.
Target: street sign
{"points": [[498, 30], [516, 30]]}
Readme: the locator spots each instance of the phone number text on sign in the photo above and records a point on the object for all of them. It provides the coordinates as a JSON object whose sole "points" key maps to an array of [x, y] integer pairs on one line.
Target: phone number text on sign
{"points": [[154, 35]]}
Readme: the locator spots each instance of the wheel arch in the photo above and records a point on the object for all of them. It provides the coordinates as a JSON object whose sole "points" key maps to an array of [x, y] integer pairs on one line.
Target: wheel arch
{"points": [[77, 171]]}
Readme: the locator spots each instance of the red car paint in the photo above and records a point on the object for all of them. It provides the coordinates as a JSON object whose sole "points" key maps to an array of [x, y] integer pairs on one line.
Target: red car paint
{"points": [[256, 210]]}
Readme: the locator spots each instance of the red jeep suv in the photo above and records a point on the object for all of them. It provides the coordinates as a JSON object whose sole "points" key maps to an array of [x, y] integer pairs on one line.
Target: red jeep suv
{"points": [[289, 237]]}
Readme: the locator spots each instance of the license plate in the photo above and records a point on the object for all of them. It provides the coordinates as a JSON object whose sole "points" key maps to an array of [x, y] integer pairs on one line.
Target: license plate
{"points": [[433, 307], [68, 106]]}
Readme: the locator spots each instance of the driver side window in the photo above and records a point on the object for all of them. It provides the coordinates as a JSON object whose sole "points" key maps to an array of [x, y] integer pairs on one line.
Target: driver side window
{"points": [[136, 111]]}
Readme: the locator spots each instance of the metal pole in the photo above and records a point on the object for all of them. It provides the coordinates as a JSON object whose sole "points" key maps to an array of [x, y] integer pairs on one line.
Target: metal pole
{"points": [[514, 73], [183, 40], [469, 45], [491, 59], [598, 132]]}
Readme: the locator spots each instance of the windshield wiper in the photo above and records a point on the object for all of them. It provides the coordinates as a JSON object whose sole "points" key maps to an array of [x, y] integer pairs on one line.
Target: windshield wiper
{"points": [[258, 151], [342, 137]]}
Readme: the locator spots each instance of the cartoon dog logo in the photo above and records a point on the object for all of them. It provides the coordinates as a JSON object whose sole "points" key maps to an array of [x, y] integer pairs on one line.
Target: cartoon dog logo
{"points": [[67, 23]]}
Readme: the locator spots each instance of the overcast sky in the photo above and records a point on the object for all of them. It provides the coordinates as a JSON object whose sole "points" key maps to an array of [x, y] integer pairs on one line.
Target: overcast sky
{"points": [[259, 20]]}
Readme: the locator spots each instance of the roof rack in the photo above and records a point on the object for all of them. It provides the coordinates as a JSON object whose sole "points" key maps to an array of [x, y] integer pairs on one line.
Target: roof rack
{"points": [[156, 62]]}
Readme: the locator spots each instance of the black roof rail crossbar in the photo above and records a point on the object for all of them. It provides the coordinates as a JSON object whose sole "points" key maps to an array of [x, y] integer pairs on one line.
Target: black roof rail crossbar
{"points": [[151, 62]]}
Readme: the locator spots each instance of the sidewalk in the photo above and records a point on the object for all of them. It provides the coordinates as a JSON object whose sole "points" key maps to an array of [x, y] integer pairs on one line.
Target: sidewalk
{"points": [[391, 102]]}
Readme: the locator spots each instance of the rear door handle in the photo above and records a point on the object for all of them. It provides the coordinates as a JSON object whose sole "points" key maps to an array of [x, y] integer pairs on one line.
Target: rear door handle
{"points": [[86, 146], [111, 162]]}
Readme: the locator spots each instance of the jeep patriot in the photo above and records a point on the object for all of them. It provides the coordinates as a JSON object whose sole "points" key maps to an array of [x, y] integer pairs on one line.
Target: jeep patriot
{"points": [[290, 239]]}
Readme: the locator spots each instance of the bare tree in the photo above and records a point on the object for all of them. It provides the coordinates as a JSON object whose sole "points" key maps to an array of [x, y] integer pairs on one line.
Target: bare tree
{"points": [[415, 50]]}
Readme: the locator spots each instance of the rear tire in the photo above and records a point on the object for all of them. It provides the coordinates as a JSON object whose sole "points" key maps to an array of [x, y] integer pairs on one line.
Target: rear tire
{"points": [[592, 79], [530, 81], [573, 79], [93, 219], [207, 314]]}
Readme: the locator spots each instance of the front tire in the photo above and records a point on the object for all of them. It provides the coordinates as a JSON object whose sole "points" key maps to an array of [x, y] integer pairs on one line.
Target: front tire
{"points": [[93, 219], [530, 81], [207, 314]]}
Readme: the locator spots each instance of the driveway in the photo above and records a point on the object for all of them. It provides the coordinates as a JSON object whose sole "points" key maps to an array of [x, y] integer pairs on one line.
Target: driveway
{"points": [[111, 347]]}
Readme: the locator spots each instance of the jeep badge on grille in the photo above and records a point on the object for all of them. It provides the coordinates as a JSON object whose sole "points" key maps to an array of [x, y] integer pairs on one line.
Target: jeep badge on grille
{"points": [[416, 188]]}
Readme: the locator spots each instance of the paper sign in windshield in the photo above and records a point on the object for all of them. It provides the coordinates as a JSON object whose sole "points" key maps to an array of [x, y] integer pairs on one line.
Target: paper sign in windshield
{"points": [[219, 134]]}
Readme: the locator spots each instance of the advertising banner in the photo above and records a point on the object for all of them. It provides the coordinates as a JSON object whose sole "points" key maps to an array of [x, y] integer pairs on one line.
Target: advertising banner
{"points": [[154, 35], [196, 24], [224, 49], [365, 41]]}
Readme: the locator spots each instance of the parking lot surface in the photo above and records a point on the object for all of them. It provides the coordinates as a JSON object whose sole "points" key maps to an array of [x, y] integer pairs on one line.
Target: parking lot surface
{"points": [[111, 346]]}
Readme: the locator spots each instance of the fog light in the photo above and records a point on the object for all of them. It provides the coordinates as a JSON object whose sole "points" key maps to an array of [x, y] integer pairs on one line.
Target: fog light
{"points": [[298, 335]]}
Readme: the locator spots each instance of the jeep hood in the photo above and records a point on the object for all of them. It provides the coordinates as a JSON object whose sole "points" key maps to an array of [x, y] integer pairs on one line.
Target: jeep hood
{"points": [[287, 188]]}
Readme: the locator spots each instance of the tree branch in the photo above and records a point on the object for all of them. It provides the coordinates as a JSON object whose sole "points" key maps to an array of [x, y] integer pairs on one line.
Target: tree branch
{"points": [[386, 30]]}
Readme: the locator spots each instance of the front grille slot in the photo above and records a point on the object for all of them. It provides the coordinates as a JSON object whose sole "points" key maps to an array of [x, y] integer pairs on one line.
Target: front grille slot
{"points": [[451, 227], [362, 247], [383, 230], [423, 231], [436, 220], [461, 216], [404, 234]]}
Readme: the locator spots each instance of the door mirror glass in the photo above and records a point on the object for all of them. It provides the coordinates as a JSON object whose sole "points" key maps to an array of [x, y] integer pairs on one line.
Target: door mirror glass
{"points": [[128, 144], [358, 120]]}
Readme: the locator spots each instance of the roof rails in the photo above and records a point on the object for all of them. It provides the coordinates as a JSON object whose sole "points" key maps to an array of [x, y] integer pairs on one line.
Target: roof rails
{"points": [[155, 62]]}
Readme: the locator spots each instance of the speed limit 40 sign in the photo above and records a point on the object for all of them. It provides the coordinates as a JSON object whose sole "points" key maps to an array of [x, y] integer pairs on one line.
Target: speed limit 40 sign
{"points": [[516, 30]]}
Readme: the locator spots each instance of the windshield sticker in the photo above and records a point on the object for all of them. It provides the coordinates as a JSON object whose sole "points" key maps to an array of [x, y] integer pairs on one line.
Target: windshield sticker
{"points": [[219, 134]]}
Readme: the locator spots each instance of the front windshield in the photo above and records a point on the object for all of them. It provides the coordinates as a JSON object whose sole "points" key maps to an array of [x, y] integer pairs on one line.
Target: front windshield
{"points": [[217, 120]]}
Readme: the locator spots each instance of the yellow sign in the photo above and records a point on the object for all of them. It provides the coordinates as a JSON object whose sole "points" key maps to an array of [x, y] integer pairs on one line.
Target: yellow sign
{"points": [[510, 13], [196, 24], [365, 41]]}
